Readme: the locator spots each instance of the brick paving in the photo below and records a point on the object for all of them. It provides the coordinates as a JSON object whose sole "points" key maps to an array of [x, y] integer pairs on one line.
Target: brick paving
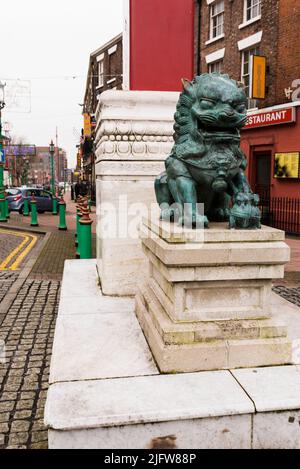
{"points": [[50, 263], [59, 248], [27, 330]]}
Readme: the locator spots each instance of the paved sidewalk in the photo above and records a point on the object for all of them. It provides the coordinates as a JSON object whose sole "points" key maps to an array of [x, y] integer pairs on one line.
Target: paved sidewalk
{"points": [[48, 222], [27, 331], [59, 248]]}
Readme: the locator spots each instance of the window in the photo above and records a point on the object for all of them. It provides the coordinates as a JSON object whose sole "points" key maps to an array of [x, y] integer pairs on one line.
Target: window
{"points": [[246, 55], [45, 194], [217, 19], [252, 9], [216, 67], [101, 73]]}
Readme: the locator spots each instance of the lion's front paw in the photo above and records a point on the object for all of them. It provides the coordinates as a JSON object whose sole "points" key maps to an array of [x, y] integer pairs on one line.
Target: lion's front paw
{"points": [[196, 221], [167, 214], [221, 214]]}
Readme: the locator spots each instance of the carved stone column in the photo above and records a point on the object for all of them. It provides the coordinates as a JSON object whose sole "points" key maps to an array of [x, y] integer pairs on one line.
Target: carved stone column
{"points": [[133, 138]]}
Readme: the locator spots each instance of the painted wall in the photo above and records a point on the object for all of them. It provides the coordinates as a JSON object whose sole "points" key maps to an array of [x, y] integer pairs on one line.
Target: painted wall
{"points": [[161, 44], [277, 139]]}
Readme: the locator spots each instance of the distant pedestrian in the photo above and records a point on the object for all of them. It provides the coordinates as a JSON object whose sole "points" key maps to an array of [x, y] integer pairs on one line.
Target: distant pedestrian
{"points": [[83, 189], [77, 190]]}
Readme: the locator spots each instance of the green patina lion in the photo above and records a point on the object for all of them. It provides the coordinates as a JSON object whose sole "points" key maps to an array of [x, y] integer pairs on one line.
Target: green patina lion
{"points": [[206, 165]]}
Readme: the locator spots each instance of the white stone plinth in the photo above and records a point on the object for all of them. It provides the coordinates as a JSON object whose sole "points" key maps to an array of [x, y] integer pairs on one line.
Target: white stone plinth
{"points": [[133, 138], [206, 303], [107, 393]]}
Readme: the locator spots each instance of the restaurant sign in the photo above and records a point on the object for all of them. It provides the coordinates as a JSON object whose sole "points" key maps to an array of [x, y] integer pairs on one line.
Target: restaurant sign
{"points": [[267, 118]]}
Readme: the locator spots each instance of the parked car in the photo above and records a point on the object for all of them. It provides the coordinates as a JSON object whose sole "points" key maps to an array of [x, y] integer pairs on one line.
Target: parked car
{"points": [[16, 197]]}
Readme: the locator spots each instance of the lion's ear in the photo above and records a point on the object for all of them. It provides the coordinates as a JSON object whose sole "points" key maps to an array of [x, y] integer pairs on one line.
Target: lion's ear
{"points": [[187, 84]]}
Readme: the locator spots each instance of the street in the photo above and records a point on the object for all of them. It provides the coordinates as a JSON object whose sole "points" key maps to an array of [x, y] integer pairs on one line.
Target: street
{"points": [[31, 267]]}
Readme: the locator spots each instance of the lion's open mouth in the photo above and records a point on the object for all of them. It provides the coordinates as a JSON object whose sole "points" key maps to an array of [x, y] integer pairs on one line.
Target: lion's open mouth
{"points": [[211, 131]]}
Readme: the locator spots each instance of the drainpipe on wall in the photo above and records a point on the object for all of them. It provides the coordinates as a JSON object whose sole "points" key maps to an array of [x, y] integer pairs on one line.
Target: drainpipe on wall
{"points": [[199, 38]]}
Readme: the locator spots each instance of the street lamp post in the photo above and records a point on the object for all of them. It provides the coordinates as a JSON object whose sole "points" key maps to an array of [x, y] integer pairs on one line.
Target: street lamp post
{"points": [[3, 213], [52, 151]]}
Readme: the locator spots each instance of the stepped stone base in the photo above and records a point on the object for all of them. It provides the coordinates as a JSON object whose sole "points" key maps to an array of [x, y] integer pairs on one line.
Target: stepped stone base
{"points": [[207, 302], [100, 354]]}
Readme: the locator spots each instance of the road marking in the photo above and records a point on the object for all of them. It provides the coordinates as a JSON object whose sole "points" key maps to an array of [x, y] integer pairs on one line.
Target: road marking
{"points": [[21, 250]]}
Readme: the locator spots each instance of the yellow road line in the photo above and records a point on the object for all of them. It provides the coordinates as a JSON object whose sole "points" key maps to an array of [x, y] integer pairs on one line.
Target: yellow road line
{"points": [[20, 258], [26, 236], [9, 258]]}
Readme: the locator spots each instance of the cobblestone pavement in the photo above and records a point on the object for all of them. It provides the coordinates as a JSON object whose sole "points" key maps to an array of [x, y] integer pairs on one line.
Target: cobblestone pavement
{"points": [[290, 294], [27, 330], [7, 244], [6, 281]]}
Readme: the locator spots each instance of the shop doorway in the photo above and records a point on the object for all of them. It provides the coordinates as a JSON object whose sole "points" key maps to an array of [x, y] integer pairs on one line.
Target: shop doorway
{"points": [[262, 174]]}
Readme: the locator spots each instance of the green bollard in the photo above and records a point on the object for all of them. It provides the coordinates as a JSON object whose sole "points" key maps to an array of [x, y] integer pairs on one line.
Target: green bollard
{"points": [[34, 217], [26, 208], [85, 239], [7, 211], [54, 211], [79, 215], [3, 218], [62, 216]]}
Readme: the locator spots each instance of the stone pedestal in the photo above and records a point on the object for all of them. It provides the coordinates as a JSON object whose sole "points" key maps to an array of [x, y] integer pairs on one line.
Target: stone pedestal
{"points": [[206, 304], [105, 391], [134, 136]]}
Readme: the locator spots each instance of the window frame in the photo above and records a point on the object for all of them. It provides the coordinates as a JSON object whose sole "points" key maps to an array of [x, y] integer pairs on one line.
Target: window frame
{"points": [[211, 20], [212, 64], [251, 8], [101, 73], [252, 103]]}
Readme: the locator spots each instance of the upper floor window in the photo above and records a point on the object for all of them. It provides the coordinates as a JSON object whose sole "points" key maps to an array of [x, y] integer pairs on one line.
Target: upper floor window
{"points": [[101, 73], [216, 67], [246, 71], [217, 19], [252, 9]]}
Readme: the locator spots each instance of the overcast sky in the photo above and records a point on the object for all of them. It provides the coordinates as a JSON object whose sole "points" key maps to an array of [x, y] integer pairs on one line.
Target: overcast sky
{"points": [[48, 42]]}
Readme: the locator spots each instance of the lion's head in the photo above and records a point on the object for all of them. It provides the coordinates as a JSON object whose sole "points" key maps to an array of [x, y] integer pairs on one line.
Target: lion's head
{"points": [[211, 107]]}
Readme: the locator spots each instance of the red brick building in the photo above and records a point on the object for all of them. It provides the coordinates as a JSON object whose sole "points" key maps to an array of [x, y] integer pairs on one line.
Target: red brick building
{"points": [[228, 32], [29, 164]]}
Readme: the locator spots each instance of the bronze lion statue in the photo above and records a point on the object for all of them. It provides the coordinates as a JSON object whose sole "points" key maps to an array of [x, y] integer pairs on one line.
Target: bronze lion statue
{"points": [[206, 165]]}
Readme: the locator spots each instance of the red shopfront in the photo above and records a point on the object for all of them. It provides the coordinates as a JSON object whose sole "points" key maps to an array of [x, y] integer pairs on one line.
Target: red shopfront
{"points": [[269, 133]]}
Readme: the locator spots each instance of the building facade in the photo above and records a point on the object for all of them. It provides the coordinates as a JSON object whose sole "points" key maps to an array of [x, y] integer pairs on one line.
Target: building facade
{"points": [[228, 33], [105, 72], [31, 165]]}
